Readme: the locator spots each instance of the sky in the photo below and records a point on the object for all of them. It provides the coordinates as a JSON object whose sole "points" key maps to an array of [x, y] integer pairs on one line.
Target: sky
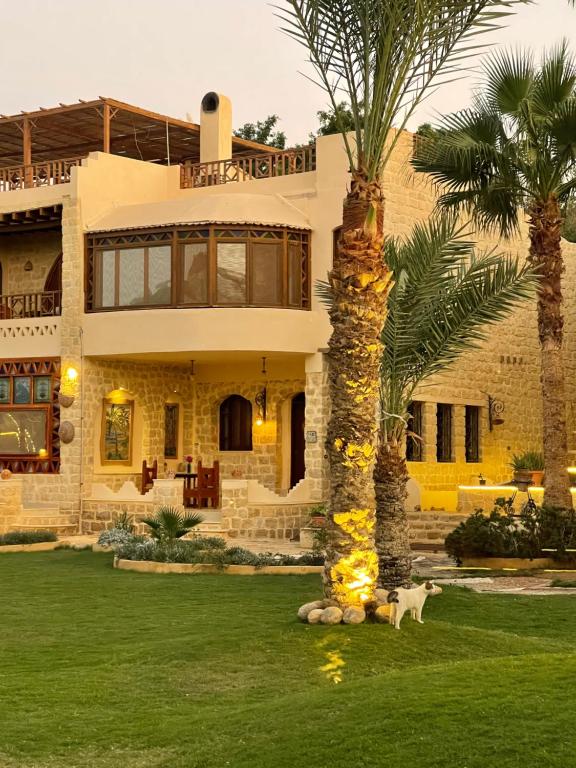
{"points": [[164, 55]]}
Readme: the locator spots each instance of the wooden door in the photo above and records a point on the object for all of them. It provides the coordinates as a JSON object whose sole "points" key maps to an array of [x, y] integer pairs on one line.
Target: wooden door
{"points": [[297, 439]]}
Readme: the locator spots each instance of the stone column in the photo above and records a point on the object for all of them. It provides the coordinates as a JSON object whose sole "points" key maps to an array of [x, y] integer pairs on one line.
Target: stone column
{"points": [[316, 421], [167, 493], [429, 431], [10, 503], [459, 433], [234, 504]]}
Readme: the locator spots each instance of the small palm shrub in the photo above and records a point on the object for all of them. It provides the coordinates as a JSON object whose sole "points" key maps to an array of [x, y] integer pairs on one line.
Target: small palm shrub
{"points": [[123, 521], [27, 537], [169, 524], [531, 461]]}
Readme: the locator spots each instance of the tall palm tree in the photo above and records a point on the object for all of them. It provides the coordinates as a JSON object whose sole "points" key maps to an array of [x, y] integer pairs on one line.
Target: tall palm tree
{"points": [[445, 296], [381, 56], [513, 154]]}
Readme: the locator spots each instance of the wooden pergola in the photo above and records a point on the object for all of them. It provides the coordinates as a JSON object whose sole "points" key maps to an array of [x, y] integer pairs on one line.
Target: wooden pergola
{"points": [[103, 125]]}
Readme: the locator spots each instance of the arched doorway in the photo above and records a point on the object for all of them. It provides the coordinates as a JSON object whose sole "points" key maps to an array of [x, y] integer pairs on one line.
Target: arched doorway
{"points": [[297, 439]]}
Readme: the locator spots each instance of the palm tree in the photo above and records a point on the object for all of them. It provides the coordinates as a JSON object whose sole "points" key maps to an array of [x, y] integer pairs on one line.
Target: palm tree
{"points": [[514, 154], [169, 524], [444, 298], [380, 56]]}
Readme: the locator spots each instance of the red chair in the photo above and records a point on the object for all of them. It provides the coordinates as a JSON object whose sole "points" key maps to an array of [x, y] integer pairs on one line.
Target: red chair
{"points": [[207, 490], [149, 474]]}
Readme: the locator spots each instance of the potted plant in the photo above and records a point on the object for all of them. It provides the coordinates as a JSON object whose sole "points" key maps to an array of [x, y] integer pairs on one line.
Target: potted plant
{"points": [[528, 468], [318, 516]]}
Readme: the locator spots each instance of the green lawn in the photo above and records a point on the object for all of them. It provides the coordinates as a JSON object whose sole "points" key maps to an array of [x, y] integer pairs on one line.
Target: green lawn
{"points": [[102, 668]]}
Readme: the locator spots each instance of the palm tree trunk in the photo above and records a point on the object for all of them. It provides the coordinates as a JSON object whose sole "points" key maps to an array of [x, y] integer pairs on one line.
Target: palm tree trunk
{"points": [[360, 282], [546, 255], [392, 540]]}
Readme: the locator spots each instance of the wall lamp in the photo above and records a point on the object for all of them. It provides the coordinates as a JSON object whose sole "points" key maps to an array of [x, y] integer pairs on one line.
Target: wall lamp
{"points": [[495, 411], [260, 399]]}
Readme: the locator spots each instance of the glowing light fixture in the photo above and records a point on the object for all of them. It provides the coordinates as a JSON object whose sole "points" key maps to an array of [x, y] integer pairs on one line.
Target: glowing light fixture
{"points": [[261, 398], [71, 374], [42, 453]]}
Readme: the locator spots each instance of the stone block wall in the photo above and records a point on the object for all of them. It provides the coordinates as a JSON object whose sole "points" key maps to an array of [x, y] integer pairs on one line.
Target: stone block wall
{"points": [[40, 248], [263, 463], [240, 519], [10, 502]]}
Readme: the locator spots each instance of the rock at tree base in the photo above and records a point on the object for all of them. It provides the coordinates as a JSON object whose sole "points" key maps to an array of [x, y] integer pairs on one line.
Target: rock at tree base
{"points": [[331, 615], [305, 609], [354, 615], [383, 614], [314, 615]]}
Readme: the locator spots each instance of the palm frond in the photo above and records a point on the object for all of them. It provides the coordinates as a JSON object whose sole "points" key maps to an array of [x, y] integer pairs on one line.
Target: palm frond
{"points": [[383, 56], [435, 316], [517, 144]]}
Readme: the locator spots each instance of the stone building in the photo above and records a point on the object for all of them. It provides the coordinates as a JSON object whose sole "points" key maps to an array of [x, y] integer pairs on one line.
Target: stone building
{"points": [[157, 301]]}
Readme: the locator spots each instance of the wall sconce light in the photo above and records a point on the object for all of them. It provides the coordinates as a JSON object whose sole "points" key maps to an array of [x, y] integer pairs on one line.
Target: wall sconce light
{"points": [[28, 266], [495, 411], [67, 392], [260, 400]]}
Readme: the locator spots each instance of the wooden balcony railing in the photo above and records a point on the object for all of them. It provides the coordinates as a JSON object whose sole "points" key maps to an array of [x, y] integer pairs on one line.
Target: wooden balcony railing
{"points": [[267, 166], [37, 175], [20, 305]]}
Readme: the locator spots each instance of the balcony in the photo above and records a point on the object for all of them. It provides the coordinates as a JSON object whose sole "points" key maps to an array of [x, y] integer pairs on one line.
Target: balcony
{"points": [[26, 305], [45, 174], [268, 166]]}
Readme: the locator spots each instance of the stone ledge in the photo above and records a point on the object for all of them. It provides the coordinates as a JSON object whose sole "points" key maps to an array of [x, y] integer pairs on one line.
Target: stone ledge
{"points": [[41, 546], [148, 566]]}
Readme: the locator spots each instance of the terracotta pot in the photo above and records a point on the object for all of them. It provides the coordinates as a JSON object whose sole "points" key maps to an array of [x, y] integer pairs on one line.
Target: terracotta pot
{"points": [[5, 474], [537, 476], [522, 479]]}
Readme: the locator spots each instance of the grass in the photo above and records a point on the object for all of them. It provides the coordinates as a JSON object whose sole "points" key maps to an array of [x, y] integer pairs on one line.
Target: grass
{"points": [[111, 669]]}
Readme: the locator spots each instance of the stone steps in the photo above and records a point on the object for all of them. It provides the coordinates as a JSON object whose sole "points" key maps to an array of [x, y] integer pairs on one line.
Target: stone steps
{"points": [[47, 519]]}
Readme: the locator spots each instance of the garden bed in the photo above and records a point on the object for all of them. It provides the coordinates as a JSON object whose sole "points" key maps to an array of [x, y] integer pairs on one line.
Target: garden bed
{"points": [[44, 546], [148, 566]]}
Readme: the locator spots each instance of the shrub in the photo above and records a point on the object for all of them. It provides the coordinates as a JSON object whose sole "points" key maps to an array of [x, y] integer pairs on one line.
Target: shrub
{"points": [[113, 537], [502, 534], [209, 550], [27, 537]]}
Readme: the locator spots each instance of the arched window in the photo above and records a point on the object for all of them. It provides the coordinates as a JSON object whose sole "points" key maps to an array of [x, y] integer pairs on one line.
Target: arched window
{"points": [[236, 424]]}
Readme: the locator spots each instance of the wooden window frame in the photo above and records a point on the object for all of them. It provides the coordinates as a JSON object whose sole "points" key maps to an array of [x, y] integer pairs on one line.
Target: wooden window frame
{"points": [[444, 439], [414, 447], [176, 408], [176, 238], [146, 273], [251, 435], [35, 368], [472, 427]]}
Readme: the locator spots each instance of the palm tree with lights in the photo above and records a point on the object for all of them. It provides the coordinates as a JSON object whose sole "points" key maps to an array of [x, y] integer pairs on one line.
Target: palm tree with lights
{"points": [[381, 56]]}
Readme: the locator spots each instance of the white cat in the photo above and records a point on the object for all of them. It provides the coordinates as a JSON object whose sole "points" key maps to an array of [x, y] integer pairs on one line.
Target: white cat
{"points": [[403, 599]]}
